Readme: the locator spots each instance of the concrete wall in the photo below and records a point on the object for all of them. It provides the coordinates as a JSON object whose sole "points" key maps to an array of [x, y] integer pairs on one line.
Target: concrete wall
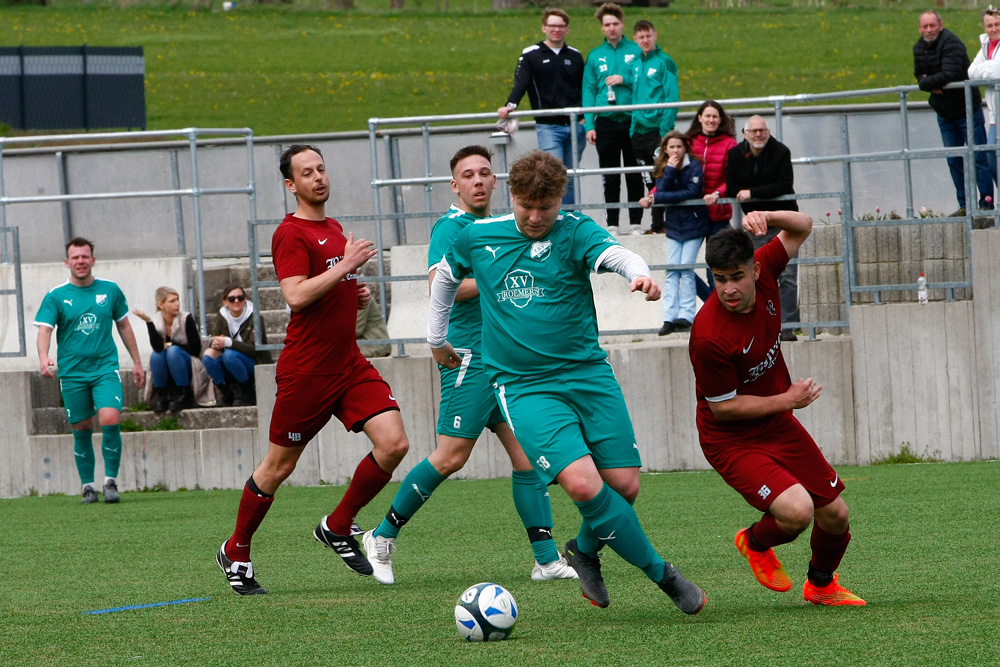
{"points": [[128, 228]]}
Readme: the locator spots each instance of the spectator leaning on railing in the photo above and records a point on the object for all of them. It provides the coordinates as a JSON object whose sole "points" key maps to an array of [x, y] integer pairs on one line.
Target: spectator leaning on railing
{"points": [[987, 66]]}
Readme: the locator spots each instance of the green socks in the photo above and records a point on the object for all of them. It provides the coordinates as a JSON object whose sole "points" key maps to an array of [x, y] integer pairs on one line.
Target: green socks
{"points": [[417, 487], [83, 450], [612, 521], [531, 500], [111, 447]]}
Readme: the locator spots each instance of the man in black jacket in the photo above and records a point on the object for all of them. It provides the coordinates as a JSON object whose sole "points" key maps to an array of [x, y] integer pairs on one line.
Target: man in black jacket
{"points": [[760, 167], [939, 58], [551, 72]]}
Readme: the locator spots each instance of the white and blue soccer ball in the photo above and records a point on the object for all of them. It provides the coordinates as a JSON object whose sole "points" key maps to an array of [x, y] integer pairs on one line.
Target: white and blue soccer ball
{"points": [[485, 613]]}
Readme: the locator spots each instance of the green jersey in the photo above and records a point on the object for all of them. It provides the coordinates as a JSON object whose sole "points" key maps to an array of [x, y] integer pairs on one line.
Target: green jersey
{"points": [[465, 329], [537, 302], [82, 318]]}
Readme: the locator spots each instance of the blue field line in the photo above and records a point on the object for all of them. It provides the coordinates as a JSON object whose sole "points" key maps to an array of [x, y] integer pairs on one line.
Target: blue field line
{"points": [[144, 606]]}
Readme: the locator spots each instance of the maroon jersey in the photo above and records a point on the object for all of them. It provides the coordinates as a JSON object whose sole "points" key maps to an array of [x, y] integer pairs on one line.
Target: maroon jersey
{"points": [[321, 338], [734, 353]]}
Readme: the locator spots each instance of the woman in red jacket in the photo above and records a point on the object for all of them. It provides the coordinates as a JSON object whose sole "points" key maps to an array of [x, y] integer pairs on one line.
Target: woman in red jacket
{"points": [[712, 134]]}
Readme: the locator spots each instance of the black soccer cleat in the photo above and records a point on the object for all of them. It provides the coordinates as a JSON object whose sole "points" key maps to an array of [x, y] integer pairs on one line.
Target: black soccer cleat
{"points": [[111, 492], [346, 547], [89, 496], [239, 574], [688, 597], [589, 570]]}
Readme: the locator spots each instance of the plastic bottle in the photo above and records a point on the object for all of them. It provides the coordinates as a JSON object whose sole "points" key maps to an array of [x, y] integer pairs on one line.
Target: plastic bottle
{"points": [[611, 95], [921, 289]]}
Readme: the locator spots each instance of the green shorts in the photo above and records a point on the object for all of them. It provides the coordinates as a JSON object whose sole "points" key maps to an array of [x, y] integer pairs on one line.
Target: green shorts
{"points": [[564, 416], [83, 397], [468, 404]]}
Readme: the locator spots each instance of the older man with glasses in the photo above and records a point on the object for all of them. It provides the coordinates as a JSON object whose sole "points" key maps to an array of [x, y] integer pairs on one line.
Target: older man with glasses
{"points": [[551, 72], [760, 167]]}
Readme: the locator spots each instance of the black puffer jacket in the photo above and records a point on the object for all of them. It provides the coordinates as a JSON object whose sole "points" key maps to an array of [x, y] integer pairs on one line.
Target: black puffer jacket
{"points": [[939, 63]]}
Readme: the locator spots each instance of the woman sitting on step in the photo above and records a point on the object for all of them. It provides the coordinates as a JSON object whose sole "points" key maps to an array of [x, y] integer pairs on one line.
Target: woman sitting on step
{"points": [[175, 364], [231, 355]]}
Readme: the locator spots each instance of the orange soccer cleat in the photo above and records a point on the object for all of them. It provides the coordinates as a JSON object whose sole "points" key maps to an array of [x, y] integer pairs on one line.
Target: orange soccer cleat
{"points": [[764, 564], [832, 595]]}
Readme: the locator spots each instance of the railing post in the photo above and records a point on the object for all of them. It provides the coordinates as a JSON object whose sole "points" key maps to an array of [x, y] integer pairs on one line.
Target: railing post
{"points": [[904, 125], [200, 257]]}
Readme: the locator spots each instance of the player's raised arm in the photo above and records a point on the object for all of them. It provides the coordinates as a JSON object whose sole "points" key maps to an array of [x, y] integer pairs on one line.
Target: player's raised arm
{"points": [[795, 227]]}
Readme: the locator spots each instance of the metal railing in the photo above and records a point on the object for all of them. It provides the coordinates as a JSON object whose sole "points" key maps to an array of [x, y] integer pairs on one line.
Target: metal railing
{"points": [[14, 247], [195, 191]]}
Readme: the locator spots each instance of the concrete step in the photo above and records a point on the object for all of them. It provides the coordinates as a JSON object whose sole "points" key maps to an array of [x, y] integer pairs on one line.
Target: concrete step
{"points": [[52, 421], [269, 298], [241, 274]]}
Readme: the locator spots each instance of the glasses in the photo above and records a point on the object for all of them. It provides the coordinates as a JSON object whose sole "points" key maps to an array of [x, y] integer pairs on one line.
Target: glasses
{"points": [[556, 26], [762, 130], [236, 299]]}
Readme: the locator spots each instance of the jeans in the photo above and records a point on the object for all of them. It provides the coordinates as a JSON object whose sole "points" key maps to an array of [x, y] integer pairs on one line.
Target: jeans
{"points": [[238, 365], [788, 281], [953, 133], [173, 363], [614, 149], [558, 140], [991, 157], [679, 290], [644, 145]]}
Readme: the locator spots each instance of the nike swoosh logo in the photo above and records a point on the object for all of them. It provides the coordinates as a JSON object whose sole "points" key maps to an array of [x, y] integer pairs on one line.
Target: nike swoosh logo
{"points": [[747, 348], [241, 546], [323, 242], [391, 397], [835, 478]]}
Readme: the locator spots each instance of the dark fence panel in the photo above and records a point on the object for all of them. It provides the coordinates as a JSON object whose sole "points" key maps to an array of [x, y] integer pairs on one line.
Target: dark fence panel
{"points": [[73, 87]]}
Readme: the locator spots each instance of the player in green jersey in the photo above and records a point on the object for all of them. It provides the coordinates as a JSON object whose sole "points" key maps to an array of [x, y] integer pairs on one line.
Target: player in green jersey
{"points": [[467, 401], [82, 310], [550, 375]]}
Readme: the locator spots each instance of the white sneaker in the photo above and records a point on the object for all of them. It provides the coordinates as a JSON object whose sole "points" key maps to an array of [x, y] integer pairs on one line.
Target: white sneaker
{"points": [[379, 550], [557, 569]]}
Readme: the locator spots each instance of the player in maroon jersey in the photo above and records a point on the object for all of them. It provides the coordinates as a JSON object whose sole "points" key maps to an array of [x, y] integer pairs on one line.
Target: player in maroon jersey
{"points": [[320, 373], [745, 402]]}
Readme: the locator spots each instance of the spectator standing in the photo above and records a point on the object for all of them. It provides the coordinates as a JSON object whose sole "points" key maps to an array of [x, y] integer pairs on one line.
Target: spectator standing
{"points": [[607, 82], [760, 167], [940, 58], [712, 135], [82, 310], [231, 355], [551, 72], [987, 66], [654, 82], [678, 177], [175, 360]]}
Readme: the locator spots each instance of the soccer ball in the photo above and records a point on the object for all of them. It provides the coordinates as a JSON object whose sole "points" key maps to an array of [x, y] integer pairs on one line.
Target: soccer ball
{"points": [[485, 613]]}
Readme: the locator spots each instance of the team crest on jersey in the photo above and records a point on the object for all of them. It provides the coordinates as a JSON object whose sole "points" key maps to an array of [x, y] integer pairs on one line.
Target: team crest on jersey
{"points": [[102, 299], [629, 58], [651, 72], [519, 288], [770, 308], [87, 324], [540, 250]]}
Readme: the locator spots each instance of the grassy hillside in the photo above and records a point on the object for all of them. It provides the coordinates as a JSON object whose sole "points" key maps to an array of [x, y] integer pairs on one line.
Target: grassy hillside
{"points": [[302, 68]]}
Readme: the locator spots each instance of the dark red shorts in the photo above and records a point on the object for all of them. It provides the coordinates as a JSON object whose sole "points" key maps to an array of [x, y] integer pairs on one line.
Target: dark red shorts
{"points": [[762, 469], [305, 403]]}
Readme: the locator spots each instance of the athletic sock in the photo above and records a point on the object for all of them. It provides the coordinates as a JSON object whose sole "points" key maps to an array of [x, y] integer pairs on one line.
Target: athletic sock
{"points": [[416, 489], [531, 500], [367, 481], [83, 451], [827, 552], [766, 533], [253, 507], [614, 521], [111, 448]]}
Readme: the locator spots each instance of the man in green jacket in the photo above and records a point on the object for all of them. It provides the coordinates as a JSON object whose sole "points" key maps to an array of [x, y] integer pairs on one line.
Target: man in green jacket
{"points": [[607, 81], [654, 82]]}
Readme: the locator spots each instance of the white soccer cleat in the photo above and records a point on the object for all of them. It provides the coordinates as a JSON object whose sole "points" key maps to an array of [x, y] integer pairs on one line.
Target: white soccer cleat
{"points": [[557, 569], [379, 550]]}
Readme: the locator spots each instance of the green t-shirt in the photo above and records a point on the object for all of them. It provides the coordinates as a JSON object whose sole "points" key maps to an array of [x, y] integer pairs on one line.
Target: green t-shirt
{"points": [[82, 318], [537, 302], [465, 329]]}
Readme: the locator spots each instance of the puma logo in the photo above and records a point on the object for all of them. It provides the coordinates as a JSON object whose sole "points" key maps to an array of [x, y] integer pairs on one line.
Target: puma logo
{"points": [[493, 251]]}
